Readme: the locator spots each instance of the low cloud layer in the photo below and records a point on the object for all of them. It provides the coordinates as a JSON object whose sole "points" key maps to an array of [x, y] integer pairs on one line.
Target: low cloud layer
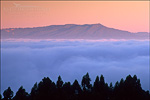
{"points": [[24, 63]]}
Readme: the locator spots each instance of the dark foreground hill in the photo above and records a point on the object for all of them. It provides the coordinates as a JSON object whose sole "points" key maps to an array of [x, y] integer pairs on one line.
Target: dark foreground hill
{"points": [[128, 89], [71, 31]]}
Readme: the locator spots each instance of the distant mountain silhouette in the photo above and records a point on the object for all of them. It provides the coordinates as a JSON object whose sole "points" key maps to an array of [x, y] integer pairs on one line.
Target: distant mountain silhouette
{"points": [[71, 31]]}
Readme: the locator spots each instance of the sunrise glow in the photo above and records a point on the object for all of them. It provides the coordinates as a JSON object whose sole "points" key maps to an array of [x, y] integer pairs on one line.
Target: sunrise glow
{"points": [[132, 16]]}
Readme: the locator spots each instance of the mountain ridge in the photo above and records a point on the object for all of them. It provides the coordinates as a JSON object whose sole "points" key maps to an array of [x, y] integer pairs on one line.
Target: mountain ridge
{"points": [[71, 31]]}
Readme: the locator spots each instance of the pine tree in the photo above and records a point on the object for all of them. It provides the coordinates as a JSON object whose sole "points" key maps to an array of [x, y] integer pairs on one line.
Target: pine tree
{"points": [[86, 82], [21, 94], [96, 85], [34, 92], [59, 83], [76, 87], [8, 94]]}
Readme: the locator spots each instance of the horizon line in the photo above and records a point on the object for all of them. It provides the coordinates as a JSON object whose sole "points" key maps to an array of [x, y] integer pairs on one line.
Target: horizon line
{"points": [[69, 24]]}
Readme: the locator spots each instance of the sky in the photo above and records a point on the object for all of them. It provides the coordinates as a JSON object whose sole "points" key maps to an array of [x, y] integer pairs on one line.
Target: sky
{"points": [[27, 62], [131, 16]]}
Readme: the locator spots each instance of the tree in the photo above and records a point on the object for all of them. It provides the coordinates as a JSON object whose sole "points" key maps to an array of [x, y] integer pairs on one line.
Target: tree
{"points": [[46, 85], [128, 89], [76, 87], [102, 85], [137, 83], [46, 89], [67, 88], [96, 89], [116, 86], [102, 81], [34, 92], [67, 91], [111, 90], [96, 84], [8, 94], [21, 94], [103, 88], [86, 82], [59, 88], [132, 88], [59, 83], [111, 86]]}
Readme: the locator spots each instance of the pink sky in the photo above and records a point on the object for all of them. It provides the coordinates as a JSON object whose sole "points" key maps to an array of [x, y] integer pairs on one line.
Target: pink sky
{"points": [[132, 16]]}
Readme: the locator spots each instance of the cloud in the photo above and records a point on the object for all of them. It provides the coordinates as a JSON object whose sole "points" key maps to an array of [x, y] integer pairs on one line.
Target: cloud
{"points": [[24, 63]]}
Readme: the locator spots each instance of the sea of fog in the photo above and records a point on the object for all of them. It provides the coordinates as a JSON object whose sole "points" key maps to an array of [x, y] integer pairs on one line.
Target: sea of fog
{"points": [[25, 62]]}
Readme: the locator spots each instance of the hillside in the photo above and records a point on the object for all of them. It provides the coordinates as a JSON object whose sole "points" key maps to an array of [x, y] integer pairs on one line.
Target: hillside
{"points": [[71, 31]]}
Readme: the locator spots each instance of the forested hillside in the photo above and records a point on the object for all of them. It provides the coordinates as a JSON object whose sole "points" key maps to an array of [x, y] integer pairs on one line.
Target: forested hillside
{"points": [[128, 89]]}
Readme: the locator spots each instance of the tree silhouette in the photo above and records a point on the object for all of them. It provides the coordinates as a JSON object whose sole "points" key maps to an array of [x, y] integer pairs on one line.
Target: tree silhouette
{"points": [[96, 84], [8, 94], [21, 94], [96, 89], [76, 87], [111, 86], [46, 89], [59, 83], [87, 87], [132, 88], [110, 91], [34, 92], [67, 91], [102, 83], [67, 87], [128, 89], [86, 82], [103, 88], [116, 86]]}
